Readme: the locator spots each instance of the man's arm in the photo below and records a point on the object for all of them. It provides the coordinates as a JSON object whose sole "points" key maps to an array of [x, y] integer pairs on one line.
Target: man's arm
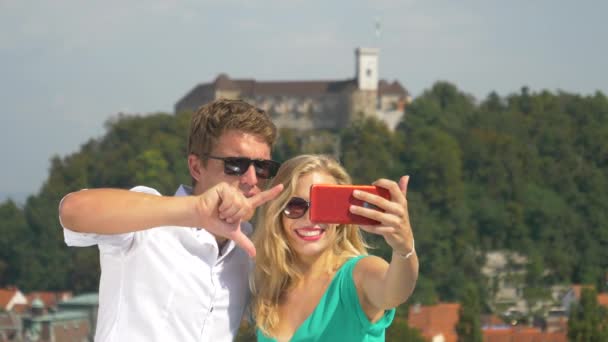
{"points": [[113, 211]]}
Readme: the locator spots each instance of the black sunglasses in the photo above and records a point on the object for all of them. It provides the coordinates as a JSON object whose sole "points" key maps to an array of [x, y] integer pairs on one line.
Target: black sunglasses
{"points": [[237, 166], [296, 208]]}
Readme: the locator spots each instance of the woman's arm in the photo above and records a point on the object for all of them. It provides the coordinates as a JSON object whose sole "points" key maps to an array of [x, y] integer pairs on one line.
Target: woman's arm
{"points": [[383, 285]]}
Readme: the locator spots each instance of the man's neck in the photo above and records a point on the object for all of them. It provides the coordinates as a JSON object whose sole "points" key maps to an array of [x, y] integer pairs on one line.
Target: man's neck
{"points": [[221, 243]]}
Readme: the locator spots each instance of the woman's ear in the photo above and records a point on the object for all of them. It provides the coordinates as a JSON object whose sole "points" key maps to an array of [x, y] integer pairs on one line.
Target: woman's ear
{"points": [[195, 166]]}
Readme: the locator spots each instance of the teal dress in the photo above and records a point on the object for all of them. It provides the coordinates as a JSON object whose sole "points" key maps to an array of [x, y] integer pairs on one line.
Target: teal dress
{"points": [[339, 316]]}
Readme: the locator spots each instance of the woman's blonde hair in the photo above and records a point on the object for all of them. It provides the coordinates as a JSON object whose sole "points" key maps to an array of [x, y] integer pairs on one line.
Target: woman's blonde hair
{"points": [[275, 268]]}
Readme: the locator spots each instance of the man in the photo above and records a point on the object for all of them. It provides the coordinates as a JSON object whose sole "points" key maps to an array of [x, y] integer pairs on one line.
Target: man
{"points": [[170, 268]]}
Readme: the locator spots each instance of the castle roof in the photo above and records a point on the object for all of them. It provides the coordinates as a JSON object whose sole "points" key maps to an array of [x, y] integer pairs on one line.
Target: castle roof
{"points": [[394, 88], [252, 87]]}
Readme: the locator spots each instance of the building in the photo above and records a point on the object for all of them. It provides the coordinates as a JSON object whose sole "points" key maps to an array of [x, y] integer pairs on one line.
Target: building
{"points": [[522, 334], [56, 327], [573, 296], [49, 298], [10, 327], [74, 320], [307, 105], [436, 323], [11, 297]]}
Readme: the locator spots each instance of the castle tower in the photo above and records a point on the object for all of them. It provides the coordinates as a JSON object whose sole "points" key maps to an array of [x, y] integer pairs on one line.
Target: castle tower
{"points": [[366, 64], [364, 99]]}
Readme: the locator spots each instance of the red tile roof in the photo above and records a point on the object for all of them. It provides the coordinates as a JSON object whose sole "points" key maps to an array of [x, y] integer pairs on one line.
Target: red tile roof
{"points": [[50, 299], [602, 299], [435, 319], [6, 295], [522, 334]]}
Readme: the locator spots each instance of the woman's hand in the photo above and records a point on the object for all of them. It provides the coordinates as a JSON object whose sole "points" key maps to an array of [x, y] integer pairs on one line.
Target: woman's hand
{"points": [[394, 221]]}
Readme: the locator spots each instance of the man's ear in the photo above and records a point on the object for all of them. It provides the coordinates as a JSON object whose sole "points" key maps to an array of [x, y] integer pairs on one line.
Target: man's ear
{"points": [[195, 167]]}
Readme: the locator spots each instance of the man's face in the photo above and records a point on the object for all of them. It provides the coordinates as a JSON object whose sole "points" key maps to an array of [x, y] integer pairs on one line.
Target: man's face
{"points": [[234, 143]]}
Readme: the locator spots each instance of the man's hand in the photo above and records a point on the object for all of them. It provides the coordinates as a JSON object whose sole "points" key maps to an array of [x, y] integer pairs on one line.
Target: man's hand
{"points": [[223, 207]]}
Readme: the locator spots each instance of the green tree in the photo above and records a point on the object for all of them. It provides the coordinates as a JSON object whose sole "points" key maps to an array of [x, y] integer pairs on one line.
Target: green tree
{"points": [[587, 322], [468, 327], [399, 330], [368, 151], [288, 145], [12, 226]]}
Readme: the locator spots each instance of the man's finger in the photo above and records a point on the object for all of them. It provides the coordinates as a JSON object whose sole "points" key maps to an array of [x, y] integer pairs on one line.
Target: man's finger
{"points": [[265, 196], [243, 241]]}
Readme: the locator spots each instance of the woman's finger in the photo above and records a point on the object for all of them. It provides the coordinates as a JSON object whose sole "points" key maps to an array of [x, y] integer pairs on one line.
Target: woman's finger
{"points": [[378, 201]]}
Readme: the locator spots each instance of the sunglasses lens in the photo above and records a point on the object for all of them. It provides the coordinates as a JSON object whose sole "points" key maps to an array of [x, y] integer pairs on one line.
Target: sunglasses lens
{"points": [[266, 169], [236, 166], [295, 208]]}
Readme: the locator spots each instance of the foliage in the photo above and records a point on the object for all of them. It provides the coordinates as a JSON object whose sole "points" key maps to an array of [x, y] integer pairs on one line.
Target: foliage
{"points": [[588, 321], [399, 330], [526, 172], [468, 326]]}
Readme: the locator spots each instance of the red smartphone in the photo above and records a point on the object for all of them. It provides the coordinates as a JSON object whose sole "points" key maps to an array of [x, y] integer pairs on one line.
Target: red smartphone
{"points": [[329, 203]]}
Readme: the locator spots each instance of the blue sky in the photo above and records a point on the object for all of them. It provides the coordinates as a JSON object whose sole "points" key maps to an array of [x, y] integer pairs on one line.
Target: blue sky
{"points": [[67, 66]]}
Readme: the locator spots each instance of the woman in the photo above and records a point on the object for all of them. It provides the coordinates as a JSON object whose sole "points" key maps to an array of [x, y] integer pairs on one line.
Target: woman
{"points": [[315, 282]]}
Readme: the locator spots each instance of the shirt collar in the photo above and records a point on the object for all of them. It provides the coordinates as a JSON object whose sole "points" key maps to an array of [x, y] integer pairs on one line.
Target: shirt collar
{"points": [[184, 190]]}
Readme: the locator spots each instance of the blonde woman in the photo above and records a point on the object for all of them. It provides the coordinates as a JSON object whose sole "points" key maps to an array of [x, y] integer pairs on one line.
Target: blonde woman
{"points": [[315, 282]]}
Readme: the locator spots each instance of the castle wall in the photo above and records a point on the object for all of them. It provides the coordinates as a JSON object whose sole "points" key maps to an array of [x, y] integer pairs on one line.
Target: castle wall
{"points": [[305, 112], [228, 94], [362, 102]]}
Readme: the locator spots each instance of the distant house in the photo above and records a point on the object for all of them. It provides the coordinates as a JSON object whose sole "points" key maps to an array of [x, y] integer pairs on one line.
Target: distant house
{"points": [[556, 320], [602, 299], [437, 323], [49, 299], [491, 320], [303, 105], [573, 296], [10, 327], [522, 334], [10, 297], [74, 320], [505, 271], [59, 326]]}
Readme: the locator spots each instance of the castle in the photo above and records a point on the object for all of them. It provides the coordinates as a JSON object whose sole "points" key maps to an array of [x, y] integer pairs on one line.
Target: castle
{"points": [[307, 105]]}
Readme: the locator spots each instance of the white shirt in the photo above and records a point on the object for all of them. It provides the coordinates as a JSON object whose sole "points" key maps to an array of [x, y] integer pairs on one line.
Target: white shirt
{"points": [[168, 283]]}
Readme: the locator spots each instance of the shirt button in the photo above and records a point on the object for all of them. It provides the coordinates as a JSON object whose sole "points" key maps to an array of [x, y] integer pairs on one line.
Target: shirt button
{"points": [[211, 309]]}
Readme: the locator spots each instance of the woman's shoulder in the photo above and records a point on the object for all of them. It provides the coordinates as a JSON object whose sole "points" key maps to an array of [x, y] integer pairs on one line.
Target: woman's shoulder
{"points": [[369, 265], [360, 266]]}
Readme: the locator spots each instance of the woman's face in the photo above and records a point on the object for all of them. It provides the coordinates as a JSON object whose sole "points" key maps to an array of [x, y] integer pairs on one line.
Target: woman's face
{"points": [[305, 238]]}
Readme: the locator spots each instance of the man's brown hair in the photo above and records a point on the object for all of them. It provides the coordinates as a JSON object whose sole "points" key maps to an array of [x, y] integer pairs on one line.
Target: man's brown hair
{"points": [[211, 120]]}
